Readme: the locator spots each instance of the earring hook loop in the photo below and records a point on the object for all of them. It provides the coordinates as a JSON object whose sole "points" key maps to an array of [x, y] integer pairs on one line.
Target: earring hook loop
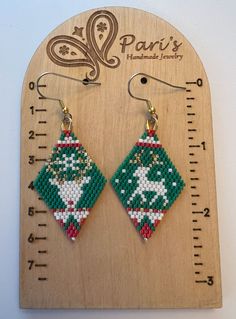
{"points": [[85, 82], [151, 123], [151, 77], [67, 119]]}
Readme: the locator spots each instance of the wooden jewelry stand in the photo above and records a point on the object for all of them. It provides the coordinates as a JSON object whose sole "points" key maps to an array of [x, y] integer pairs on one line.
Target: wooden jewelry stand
{"points": [[109, 265]]}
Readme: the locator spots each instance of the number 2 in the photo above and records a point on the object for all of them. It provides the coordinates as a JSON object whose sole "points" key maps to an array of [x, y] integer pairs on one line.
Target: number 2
{"points": [[31, 135], [206, 212]]}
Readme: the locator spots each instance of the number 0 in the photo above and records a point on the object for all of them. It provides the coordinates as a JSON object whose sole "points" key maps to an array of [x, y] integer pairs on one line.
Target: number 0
{"points": [[199, 82], [31, 85]]}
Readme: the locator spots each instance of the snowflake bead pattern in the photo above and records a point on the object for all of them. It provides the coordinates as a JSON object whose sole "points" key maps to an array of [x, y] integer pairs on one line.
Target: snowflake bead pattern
{"points": [[69, 183], [147, 183]]}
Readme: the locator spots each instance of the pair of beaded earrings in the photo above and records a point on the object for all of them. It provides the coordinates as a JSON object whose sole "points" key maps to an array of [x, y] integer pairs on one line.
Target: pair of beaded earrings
{"points": [[147, 182]]}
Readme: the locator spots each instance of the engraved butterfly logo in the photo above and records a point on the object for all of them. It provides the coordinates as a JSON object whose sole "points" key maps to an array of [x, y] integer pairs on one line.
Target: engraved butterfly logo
{"points": [[69, 51]]}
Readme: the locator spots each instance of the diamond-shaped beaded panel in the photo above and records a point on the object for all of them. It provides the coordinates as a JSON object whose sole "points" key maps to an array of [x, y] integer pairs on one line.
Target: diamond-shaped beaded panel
{"points": [[69, 183], [147, 183]]}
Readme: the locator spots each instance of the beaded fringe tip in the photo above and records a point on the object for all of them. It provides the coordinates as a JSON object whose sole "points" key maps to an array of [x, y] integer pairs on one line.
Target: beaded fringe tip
{"points": [[147, 183], [69, 183]]}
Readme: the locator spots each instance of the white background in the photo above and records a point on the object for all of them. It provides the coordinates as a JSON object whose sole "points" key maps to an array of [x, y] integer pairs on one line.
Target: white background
{"points": [[210, 26]]}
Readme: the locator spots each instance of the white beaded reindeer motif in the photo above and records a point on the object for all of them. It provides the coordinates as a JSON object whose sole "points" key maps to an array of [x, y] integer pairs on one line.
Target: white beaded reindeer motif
{"points": [[72, 190], [144, 184]]}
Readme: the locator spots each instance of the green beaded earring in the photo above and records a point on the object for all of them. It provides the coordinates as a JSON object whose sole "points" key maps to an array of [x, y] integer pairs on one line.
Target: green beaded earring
{"points": [[147, 182], [69, 182]]}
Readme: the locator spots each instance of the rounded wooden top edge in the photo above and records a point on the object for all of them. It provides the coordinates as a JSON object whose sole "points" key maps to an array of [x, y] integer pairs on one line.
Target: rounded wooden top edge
{"points": [[114, 8]]}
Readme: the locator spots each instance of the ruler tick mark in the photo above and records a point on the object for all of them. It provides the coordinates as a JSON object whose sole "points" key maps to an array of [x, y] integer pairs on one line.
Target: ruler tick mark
{"points": [[40, 110], [42, 225], [200, 281], [40, 265], [40, 211], [191, 82], [40, 134], [198, 264], [42, 278], [192, 130], [42, 147], [40, 160], [194, 145], [42, 251], [42, 122]]}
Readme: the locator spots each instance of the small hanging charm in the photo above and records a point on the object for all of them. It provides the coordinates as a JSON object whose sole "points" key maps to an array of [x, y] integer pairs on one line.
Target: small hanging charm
{"points": [[147, 182]]}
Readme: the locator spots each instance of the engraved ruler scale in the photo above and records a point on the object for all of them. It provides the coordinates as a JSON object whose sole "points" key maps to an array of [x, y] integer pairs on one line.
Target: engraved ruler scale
{"points": [[109, 265]]}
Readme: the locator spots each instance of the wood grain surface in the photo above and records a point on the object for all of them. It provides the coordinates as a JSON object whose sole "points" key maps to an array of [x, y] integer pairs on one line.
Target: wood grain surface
{"points": [[109, 265]]}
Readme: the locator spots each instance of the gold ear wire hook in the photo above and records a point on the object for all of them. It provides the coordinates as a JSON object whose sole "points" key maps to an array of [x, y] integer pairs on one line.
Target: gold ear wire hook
{"points": [[67, 120], [151, 109]]}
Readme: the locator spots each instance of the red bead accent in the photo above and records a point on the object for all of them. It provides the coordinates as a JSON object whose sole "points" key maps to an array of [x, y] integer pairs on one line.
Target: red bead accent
{"points": [[135, 221], [146, 231], [82, 221], [156, 222], [151, 132], [151, 145], [67, 132], [60, 221], [71, 231]]}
